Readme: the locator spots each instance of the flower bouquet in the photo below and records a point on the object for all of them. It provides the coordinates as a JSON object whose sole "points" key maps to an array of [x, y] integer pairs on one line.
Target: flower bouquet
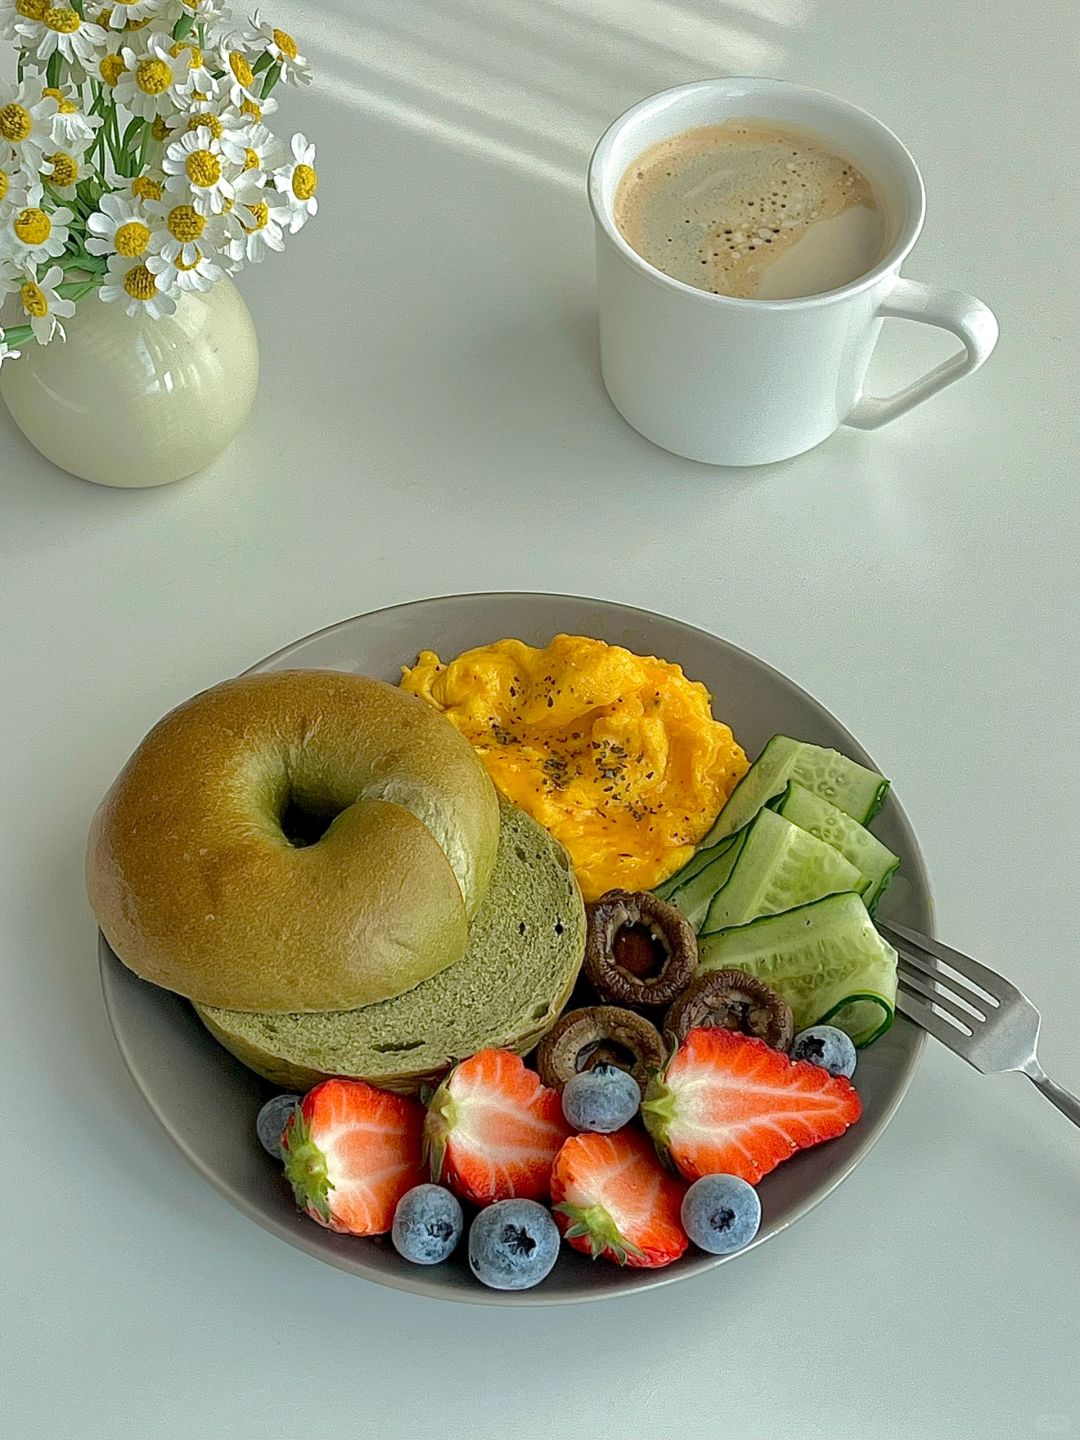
{"points": [[135, 158]]}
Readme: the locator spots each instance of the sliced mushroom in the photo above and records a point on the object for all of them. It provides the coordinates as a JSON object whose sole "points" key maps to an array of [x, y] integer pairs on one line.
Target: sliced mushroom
{"points": [[600, 1035], [732, 1000], [639, 950]]}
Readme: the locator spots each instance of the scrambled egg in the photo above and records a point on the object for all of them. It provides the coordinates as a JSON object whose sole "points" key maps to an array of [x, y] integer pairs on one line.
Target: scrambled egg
{"points": [[617, 755]]}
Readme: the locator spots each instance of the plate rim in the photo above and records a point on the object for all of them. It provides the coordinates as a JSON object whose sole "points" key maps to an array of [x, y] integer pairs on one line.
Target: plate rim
{"points": [[412, 1279]]}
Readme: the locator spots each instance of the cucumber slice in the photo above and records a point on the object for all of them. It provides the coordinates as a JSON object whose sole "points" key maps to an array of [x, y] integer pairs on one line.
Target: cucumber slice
{"points": [[853, 788], [695, 895], [778, 866], [701, 857], [829, 823], [826, 959]]}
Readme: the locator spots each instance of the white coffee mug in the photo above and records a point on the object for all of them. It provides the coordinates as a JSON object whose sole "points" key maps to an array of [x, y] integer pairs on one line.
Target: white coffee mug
{"points": [[746, 382]]}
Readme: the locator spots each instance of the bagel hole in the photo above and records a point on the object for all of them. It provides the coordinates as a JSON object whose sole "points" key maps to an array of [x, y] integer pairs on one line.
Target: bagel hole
{"points": [[301, 825]]}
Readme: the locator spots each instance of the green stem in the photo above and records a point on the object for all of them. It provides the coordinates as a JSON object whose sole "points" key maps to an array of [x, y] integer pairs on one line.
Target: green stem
{"points": [[77, 289], [263, 63], [52, 69], [183, 26], [272, 77], [16, 335]]}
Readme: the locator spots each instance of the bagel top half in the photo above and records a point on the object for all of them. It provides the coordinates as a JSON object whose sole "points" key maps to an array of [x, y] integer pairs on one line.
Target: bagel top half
{"points": [[306, 840]]}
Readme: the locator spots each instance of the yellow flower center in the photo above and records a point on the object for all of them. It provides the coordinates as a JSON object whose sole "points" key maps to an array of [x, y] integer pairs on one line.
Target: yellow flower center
{"points": [[104, 16], [132, 239], [31, 9], [33, 299], [285, 43], [195, 56], [5, 181], [32, 226], [137, 24], [251, 108], [15, 123], [197, 261], [62, 20], [65, 168], [241, 69], [185, 223], [207, 118], [152, 76], [260, 214], [159, 130], [49, 93], [203, 169], [67, 107], [145, 189], [304, 182], [251, 159], [227, 206], [139, 283], [110, 68]]}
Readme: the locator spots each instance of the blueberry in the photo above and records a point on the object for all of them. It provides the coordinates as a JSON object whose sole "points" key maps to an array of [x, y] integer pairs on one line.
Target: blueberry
{"points": [[427, 1224], [603, 1099], [513, 1244], [826, 1046], [721, 1213], [272, 1119]]}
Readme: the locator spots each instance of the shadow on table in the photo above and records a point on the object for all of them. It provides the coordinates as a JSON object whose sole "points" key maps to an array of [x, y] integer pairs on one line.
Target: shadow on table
{"points": [[533, 85]]}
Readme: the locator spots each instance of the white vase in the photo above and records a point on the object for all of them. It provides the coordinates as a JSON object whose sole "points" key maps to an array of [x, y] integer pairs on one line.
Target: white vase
{"points": [[134, 401]]}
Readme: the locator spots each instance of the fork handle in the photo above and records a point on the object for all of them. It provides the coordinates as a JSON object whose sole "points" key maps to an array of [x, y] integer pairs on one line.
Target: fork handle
{"points": [[1065, 1101]]}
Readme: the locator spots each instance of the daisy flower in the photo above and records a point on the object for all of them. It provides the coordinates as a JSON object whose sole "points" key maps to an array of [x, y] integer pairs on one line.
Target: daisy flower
{"points": [[202, 81], [43, 307], [111, 69], [257, 109], [195, 169], [298, 182], [185, 235], [72, 130], [137, 288], [252, 146], [121, 226], [202, 272], [63, 31], [5, 353], [241, 81], [12, 12], [147, 187], [26, 123], [18, 188], [32, 235], [121, 13], [63, 173], [263, 218], [295, 68], [156, 83]]}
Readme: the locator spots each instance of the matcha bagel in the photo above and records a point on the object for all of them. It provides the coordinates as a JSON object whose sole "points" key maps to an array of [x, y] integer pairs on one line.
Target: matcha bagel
{"points": [[307, 840]]}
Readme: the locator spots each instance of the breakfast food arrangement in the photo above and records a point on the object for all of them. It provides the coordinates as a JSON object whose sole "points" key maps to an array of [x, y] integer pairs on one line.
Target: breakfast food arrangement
{"points": [[532, 954]]}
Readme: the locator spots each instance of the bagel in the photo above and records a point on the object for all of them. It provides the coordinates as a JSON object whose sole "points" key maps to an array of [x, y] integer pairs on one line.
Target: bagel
{"points": [[300, 841]]}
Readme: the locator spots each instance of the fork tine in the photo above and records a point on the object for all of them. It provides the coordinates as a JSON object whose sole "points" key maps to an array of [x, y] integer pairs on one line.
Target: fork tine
{"points": [[940, 998], [932, 1023], [996, 986], [931, 968]]}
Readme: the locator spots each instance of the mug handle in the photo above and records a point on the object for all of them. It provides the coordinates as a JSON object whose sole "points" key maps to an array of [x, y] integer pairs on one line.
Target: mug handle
{"points": [[969, 319]]}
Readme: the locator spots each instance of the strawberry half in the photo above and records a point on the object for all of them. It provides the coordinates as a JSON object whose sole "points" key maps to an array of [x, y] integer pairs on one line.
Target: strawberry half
{"points": [[612, 1197], [350, 1154], [493, 1130], [730, 1104]]}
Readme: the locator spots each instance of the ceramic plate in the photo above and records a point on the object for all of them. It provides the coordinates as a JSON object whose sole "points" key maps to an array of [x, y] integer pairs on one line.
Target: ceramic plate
{"points": [[207, 1101]]}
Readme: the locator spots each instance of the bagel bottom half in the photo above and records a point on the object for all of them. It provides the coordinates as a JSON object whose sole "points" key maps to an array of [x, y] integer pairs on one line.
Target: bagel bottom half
{"points": [[525, 949]]}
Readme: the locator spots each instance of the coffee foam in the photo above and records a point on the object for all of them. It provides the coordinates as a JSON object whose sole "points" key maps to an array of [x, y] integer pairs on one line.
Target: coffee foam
{"points": [[718, 207]]}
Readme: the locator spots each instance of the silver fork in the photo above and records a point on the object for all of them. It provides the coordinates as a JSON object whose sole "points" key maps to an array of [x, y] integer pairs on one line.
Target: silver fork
{"points": [[977, 1013]]}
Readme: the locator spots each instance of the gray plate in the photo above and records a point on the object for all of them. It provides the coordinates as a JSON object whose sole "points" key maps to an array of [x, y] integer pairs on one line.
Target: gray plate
{"points": [[207, 1101]]}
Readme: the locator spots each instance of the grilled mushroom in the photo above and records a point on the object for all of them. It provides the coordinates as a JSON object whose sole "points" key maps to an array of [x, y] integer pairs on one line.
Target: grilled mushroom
{"points": [[732, 1000], [639, 950], [600, 1035]]}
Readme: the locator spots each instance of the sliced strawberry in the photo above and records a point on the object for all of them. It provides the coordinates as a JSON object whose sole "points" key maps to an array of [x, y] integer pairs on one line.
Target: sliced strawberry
{"points": [[350, 1154], [612, 1197], [493, 1130], [729, 1104]]}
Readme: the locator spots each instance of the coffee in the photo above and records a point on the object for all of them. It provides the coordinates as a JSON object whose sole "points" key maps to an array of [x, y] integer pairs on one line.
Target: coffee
{"points": [[753, 210]]}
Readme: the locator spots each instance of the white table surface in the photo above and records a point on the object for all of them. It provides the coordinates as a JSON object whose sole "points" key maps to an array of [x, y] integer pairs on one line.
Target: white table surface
{"points": [[431, 420]]}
